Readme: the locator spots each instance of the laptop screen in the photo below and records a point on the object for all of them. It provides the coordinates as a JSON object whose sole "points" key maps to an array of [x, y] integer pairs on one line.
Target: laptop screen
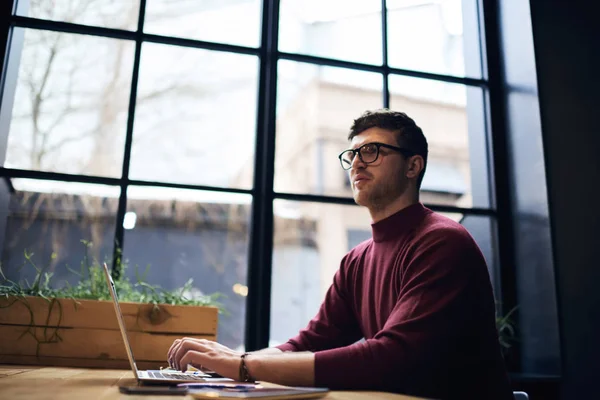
{"points": [[113, 294]]}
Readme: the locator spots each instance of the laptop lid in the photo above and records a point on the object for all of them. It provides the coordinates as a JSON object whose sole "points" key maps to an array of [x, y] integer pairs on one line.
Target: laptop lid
{"points": [[113, 294]]}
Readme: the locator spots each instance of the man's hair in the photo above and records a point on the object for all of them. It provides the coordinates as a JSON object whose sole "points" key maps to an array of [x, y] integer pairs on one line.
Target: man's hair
{"points": [[408, 134]]}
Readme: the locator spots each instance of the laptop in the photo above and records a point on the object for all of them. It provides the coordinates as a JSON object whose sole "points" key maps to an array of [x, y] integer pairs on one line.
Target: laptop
{"points": [[154, 376]]}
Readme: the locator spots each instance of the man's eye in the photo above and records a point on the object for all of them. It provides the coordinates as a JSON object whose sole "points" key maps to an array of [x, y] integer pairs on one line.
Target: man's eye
{"points": [[369, 149]]}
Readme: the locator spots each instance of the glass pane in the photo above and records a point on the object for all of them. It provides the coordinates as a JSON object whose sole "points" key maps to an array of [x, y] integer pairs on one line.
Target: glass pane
{"points": [[342, 29], [316, 106], [434, 36], [195, 120], [224, 21], [70, 104], [441, 110], [176, 235], [52, 222], [309, 242], [120, 14]]}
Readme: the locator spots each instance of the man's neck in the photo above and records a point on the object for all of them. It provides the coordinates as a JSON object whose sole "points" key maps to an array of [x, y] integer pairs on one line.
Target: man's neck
{"points": [[378, 214]]}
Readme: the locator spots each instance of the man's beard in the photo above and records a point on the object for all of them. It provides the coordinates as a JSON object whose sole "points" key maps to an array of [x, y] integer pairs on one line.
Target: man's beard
{"points": [[381, 194]]}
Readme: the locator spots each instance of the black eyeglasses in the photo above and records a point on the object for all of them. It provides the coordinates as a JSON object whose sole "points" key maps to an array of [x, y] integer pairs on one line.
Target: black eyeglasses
{"points": [[368, 153]]}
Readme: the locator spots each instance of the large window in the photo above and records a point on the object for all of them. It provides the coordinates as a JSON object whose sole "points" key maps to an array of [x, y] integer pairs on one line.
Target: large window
{"points": [[200, 138]]}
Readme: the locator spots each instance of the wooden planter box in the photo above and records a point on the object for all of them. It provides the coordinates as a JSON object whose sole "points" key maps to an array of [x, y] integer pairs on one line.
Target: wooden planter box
{"points": [[85, 333]]}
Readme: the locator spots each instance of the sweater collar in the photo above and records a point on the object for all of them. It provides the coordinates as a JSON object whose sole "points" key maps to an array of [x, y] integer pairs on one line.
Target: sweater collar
{"points": [[399, 223]]}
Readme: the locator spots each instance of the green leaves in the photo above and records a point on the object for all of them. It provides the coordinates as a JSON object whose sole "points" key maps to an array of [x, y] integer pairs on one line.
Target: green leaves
{"points": [[92, 285], [506, 329]]}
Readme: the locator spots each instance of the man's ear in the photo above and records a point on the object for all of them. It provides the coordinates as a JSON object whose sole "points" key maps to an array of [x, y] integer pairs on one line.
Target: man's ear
{"points": [[415, 166]]}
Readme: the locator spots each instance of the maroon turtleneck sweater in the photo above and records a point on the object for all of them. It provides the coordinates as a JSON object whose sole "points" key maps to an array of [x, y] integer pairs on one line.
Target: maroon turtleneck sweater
{"points": [[419, 294]]}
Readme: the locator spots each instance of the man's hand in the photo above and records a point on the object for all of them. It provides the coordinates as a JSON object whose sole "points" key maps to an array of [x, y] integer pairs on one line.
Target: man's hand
{"points": [[202, 353], [284, 368]]}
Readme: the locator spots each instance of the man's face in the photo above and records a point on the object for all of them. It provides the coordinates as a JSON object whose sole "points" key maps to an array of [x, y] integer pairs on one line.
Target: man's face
{"points": [[377, 184]]}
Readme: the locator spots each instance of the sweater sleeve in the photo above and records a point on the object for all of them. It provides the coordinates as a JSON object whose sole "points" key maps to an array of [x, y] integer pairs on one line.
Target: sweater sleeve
{"points": [[335, 324], [418, 339]]}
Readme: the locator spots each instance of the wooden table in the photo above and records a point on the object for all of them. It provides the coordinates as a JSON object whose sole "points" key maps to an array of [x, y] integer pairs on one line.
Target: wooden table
{"points": [[35, 382]]}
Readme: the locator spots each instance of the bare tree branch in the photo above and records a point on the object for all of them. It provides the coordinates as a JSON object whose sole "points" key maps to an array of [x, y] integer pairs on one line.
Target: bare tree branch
{"points": [[70, 139]]}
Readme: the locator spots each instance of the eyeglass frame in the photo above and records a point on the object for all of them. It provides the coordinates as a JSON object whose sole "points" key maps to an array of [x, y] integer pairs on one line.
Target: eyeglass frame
{"points": [[404, 151]]}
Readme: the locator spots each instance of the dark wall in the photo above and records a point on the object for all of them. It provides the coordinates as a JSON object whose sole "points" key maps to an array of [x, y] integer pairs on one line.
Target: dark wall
{"points": [[567, 49]]}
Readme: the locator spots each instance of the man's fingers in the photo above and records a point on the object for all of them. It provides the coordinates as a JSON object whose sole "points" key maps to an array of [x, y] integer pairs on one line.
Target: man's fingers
{"points": [[172, 349], [175, 346], [193, 357], [184, 346]]}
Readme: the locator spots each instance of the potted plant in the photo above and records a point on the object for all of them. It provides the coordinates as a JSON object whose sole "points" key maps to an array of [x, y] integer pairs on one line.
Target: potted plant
{"points": [[507, 336], [75, 325]]}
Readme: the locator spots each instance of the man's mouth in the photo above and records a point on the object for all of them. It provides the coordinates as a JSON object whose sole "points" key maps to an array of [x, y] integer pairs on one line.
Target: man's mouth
{"points": [[360, 178]]}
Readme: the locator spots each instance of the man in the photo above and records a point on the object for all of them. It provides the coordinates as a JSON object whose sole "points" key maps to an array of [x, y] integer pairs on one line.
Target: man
{"points": [[418, 293]]}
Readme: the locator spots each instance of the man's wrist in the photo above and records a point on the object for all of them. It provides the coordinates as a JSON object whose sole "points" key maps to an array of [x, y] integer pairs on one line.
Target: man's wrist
{"points": [[266, 351], [245, 375]]}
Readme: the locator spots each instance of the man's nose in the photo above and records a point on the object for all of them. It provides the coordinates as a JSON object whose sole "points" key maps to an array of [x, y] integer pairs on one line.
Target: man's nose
{"points": [[357, 163]]}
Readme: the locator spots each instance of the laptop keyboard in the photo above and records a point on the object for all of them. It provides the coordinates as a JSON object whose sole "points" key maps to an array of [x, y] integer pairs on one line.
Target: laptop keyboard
{"points": [[170, 375]]}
